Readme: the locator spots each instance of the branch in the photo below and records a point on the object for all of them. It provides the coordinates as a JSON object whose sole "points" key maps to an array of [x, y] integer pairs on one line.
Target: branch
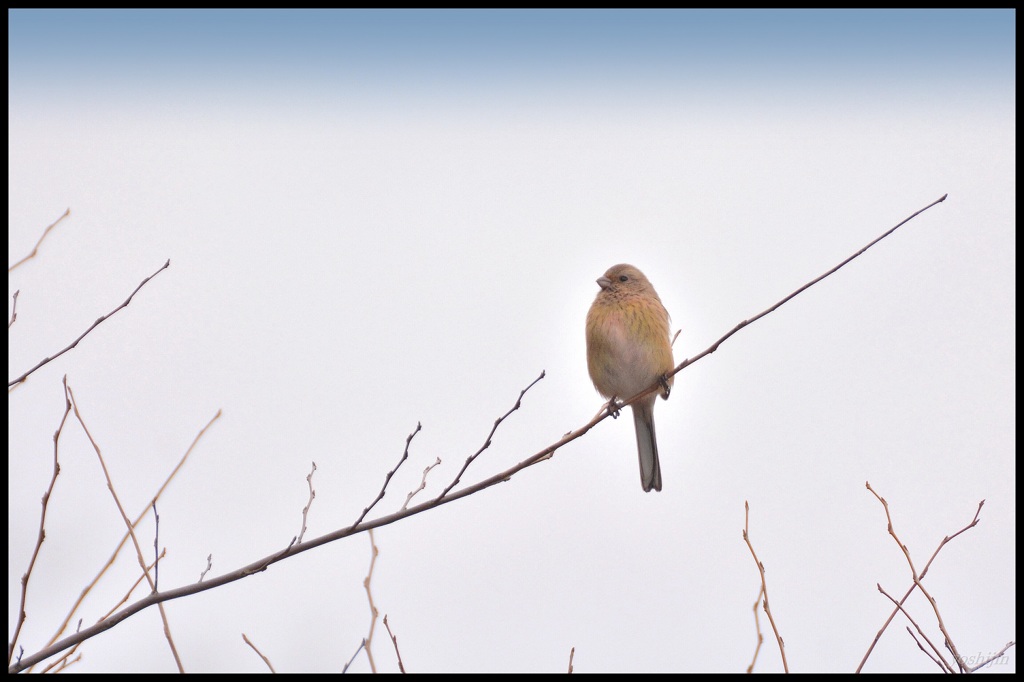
{"points": [[913, 586], [656, 386], [95, 324], [394, 640], [941, 662], [36, 247], [42, 525], [764, 586], [917, 578]]}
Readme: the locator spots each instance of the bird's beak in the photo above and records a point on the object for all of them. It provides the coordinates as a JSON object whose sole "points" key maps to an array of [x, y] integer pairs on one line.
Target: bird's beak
{"points": [[604, 282]]}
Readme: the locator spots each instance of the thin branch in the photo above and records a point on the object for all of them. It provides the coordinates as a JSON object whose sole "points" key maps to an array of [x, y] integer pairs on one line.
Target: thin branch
{"points": [[135, 523], [942, 663], [124, 599], [423, 483], [354, 654], [925, 651], [35, 249], [487, 441], [991, 658], [209, 567], [131, 529], [394, 640], [156, 549], [757, 628], [95, 324], [14, 309], [764, 585], [312, 496], [369, 596], [913, 586], [656, 386], [42, 525], [917, 578], [572, 652], [387, 479], [259, 653]]}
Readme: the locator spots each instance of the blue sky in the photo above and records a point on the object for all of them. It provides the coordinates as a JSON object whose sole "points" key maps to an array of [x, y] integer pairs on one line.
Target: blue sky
{"points": [[457, 49]]}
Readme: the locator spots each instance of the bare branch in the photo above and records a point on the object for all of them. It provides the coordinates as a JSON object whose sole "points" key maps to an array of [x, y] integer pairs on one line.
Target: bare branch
{"points": [[946, 667], [656, 386], [913, 586], [394, 640], [312, 495], [35, 248], [135, 523], [14, 308], [95, 324], [423, 483], [917, 579], [757, 627], [369, 596], [487, 441], [131, 529], [260, 653], [764, 585], [42, 525], [387, 479]]}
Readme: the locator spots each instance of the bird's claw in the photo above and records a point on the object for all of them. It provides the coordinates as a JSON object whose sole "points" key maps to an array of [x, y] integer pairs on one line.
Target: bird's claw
{"points": [[613, 408]]}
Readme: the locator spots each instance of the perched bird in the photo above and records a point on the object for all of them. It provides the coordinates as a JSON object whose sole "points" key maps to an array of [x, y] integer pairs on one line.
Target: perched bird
{"points": [[628, 350]]}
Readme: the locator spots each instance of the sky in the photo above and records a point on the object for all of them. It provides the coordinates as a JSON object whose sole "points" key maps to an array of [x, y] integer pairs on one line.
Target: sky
{"points": [[383, 219]]}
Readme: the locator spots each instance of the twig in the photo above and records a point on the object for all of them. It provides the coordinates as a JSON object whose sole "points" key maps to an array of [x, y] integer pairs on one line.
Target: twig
{"points": [[487, 441], [356, 653], [42, 525], [572, 652], [925, 651], [14, 309], [387, 479], [56, 666], [128, 523], [95, 324], [991, 658], [945, 666], [913, 586], [394, 640], [917, 579], [36, 247], [373, 609], [656, 386], [135, 523], [209, 566], [312, 495], [764, 585], [156, 549], [423, 483], [757, 627], [260, 653]]}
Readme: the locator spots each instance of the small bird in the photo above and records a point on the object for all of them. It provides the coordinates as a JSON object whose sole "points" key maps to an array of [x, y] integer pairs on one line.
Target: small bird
{"points": [[628, 349]]}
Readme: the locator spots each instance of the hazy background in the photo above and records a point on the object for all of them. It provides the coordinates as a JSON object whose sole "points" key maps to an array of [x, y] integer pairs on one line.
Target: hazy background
{"points": [[379, 218]]}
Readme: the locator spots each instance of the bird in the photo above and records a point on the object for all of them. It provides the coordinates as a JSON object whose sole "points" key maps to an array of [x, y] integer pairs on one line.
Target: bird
{"points": [[628, 350]]}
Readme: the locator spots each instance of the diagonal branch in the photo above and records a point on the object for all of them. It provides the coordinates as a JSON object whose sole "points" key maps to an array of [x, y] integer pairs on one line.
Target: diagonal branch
{"points": [[95, 324]]}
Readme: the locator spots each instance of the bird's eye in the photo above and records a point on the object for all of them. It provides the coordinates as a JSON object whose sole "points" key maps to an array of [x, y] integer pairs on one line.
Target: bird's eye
{"points": [[623, 278]]}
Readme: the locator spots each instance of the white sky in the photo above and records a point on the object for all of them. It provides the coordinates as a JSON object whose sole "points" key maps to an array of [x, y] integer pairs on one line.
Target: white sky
{"points": [[348, 262]]}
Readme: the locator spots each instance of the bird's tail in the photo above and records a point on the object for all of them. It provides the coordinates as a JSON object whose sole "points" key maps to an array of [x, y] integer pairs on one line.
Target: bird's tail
{"points": [[647, 446]]}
